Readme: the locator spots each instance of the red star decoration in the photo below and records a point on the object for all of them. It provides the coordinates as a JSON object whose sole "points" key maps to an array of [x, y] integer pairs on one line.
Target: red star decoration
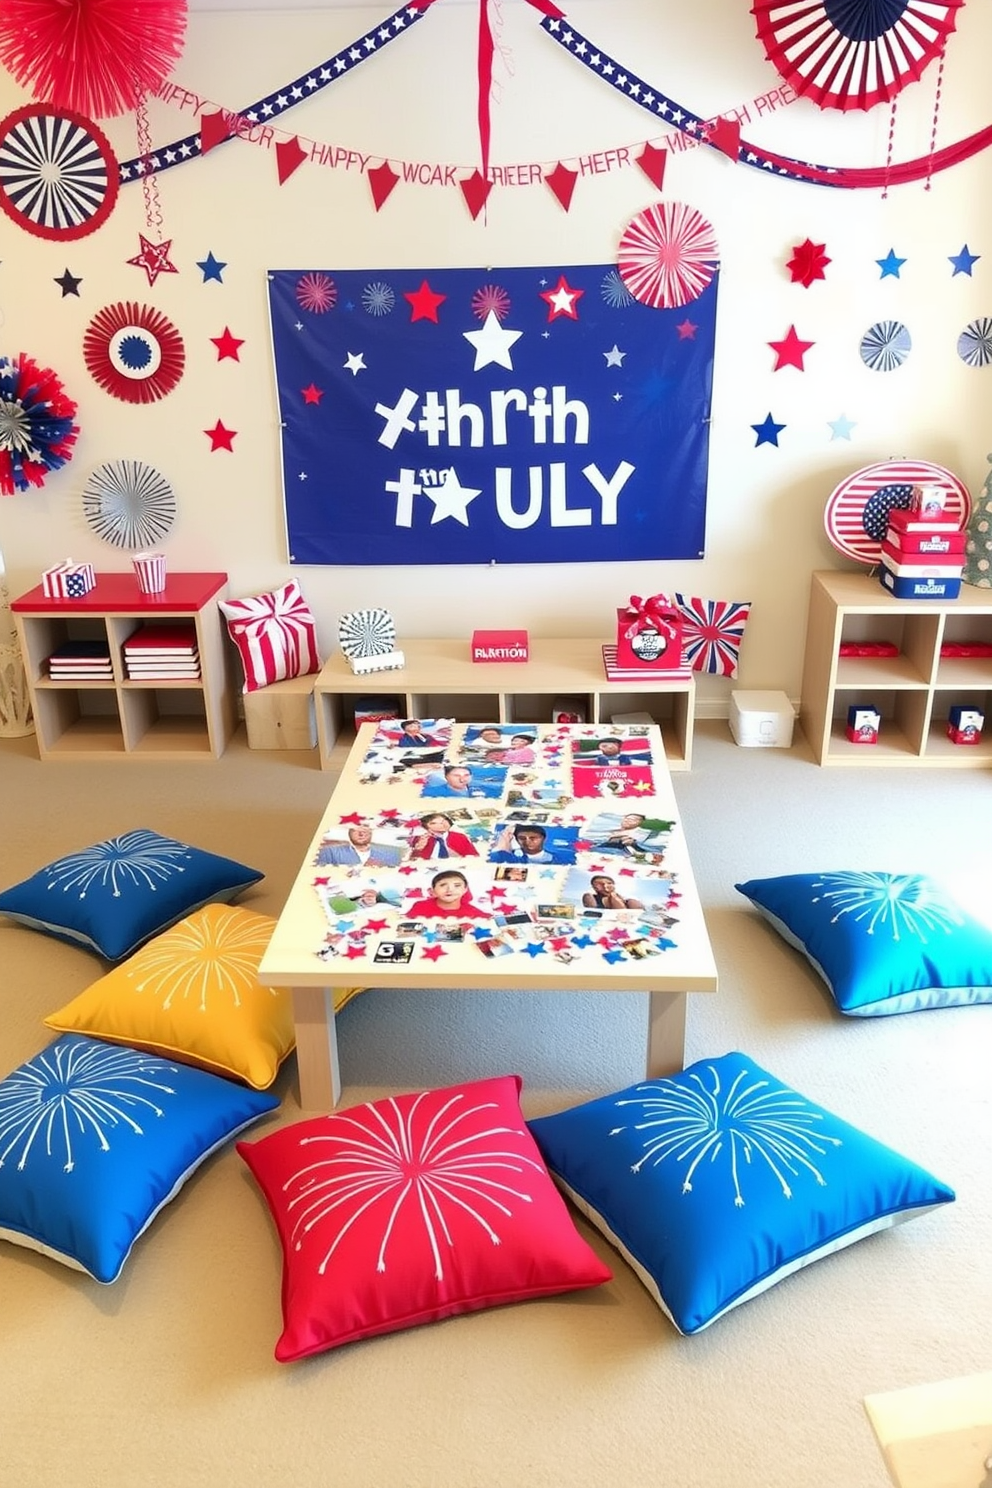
{"points": [[354, 817], [375, 926], [687, 330], [154, 258], [559, 942], [561, 300], [424, 303], [353, 952], [312, 394], [390, 813], [227, 345], [433, 953], [562, 182], [808, 262], [221, 438], [789, 352]]}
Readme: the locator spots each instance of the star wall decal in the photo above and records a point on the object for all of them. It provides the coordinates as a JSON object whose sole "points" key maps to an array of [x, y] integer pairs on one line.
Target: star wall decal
{"points": [[562, 299], [424, 303], [841, 427], [964, 261], [211, 268], [69, 284], [492, 344], [221, 438], [808, 262], [767, 432], [227, 346], [890, 265], [154, 258], [789, 352]]}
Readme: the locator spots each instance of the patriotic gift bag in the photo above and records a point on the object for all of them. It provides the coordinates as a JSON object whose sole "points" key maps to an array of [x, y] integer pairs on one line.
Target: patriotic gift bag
{"points": [[649, 634], [276, 635], [713, 630]]}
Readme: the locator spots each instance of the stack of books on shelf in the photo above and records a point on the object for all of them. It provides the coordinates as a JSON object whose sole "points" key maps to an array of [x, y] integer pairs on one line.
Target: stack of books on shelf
{"points": [[923, 555], [81, 661], [160, 653], [647, 673]]}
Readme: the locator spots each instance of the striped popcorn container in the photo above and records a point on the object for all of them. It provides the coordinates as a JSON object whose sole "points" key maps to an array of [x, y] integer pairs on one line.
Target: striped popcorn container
{"points": [[149, 569]]}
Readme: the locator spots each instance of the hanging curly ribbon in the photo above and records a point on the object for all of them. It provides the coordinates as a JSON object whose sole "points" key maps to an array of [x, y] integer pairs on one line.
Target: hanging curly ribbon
{"points": [[647, 613], [149, 181]]}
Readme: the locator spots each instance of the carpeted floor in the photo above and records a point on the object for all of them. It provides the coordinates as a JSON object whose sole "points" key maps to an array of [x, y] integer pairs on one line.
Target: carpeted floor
{"points": [[167, 1380]]}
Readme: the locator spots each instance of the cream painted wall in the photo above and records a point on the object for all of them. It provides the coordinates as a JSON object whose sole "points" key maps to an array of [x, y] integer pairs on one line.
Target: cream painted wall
{"points": [[416, 101]]}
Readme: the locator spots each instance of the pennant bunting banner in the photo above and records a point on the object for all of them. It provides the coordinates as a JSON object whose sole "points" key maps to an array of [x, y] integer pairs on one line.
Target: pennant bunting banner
{"points": [[513, 415]]}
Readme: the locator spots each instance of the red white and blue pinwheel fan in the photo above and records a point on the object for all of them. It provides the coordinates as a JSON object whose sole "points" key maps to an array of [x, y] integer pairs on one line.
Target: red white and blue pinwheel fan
{"points": [[853, 54]]}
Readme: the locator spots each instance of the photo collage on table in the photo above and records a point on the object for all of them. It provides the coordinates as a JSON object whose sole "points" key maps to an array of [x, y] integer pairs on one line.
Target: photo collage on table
{"points": [[516, 846]]}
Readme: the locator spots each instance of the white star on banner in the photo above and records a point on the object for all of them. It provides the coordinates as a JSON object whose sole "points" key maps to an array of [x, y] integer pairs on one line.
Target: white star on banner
{"points": [[450, 499], [355, 363], [614, 357], [492, 343]]}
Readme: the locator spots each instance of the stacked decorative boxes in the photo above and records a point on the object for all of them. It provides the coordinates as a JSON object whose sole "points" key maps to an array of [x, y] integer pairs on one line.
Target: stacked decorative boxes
{"points": [[923, 552]]}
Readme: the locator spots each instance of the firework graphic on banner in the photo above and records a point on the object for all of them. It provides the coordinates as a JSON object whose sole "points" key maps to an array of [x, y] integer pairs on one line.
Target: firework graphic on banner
{"points": [[129, 504], [76, 1093], [215, 952], [135, 860], [885, 345], [134, 352], [736, 1129], [378, 299], [316, 293], [668, 254], [417, 1169], [856, 515], [894, 904], [613, 290], [58, 173], [975, 342], [712, 632], [37, 432]]}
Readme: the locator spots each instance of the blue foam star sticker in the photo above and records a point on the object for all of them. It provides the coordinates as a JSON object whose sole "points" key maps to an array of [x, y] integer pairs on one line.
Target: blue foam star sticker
{"points": [[767, 432], [211, 268], [534, 948], [841, 427], [582, 942], [613, 956], [963, 261], [890, 265]]}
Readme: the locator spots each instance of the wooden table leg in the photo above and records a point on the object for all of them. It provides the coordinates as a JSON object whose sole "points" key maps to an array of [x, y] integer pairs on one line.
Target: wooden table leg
{"points": [[316, 1048], [666, 1033]]}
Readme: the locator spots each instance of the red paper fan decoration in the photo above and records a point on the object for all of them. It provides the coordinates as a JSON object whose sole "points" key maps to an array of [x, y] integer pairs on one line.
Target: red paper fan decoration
{"points": [[668, 255], [134, 352], [100, 57]]}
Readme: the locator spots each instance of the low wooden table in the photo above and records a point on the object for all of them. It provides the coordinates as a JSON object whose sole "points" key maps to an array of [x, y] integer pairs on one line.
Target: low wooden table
{"points": [[292, 959]]}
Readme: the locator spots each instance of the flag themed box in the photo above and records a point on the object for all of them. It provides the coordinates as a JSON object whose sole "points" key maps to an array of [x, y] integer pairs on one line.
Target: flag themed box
{"points": [[948, 546], [863, 723], [919, 588], [964, 725], [903, 520], [921, 565], [68, 580]]}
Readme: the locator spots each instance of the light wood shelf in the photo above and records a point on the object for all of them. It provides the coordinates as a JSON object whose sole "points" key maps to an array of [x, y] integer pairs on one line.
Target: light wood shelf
{"points": [[118, 718], [914, 691], [440, 681]]}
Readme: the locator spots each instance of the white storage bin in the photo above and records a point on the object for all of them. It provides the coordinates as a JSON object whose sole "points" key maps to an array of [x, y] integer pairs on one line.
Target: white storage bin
{"points": [[761, 719]]}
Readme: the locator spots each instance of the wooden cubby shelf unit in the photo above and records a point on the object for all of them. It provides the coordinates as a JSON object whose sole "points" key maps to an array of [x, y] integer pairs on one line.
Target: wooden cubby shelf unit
{"points": [[118, 718], [440, 681], [914, 690]]}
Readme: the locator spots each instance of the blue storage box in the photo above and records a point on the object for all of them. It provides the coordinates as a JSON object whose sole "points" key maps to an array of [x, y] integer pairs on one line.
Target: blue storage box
{"points": [[918, 588]]}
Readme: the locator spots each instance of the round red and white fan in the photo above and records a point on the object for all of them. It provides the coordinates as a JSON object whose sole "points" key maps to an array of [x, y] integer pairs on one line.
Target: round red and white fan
{"points": [[857, 512]]}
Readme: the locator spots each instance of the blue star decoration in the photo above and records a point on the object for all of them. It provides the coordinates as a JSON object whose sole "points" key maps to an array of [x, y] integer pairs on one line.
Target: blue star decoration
{"points": [[963, 261], [841, 427], [767, 432], [890, 265], [534, 948], [612, 956], [211, 268]]}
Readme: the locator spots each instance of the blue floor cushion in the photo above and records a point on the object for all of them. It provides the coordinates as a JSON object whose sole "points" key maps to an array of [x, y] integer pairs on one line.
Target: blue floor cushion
{"points": [[882, 942], [114, 895], [718, 1182]]}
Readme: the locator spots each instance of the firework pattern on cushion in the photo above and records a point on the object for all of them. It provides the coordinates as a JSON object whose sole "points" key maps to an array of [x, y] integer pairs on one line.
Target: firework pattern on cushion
{"points": [[58, 174], [712, 632], [102, 59], [129, 504], [36, 424], [134, 352], [668, 255]]}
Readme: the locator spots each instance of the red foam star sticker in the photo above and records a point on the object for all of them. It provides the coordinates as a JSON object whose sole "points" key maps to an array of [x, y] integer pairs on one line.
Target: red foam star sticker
{"points": [[154, 258], [561, 300], [808, 262], [789, 352], [433, 953], [227, 345], [390, 813], [355, 818], [424, 303], [221, 438], [353, 952], [376, 926], [687, 330], [408, 868], [312, 394]]}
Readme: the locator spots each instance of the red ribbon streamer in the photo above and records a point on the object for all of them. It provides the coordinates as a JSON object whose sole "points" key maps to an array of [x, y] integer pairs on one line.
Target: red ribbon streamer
{"points": [[487, 48]]}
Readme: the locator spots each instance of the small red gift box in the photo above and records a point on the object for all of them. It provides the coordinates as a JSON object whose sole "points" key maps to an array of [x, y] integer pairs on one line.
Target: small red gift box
{"points": [[500, 645], [649, 634]]}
